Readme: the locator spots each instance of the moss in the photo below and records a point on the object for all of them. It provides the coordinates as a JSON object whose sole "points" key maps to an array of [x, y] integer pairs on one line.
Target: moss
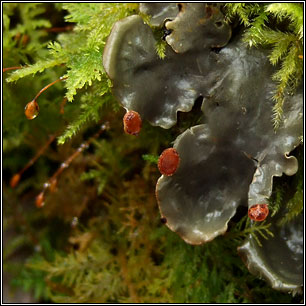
{"points": [[99, 237]]}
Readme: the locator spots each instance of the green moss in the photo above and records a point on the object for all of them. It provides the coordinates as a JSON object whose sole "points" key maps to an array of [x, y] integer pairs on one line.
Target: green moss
{"points": [[279, 26]]}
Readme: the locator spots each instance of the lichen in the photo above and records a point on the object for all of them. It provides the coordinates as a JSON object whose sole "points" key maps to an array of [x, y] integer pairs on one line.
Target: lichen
{"points": [[198, 26], [200, 198], [157, 89], [159, 12], [279, 260], [231, 158]]}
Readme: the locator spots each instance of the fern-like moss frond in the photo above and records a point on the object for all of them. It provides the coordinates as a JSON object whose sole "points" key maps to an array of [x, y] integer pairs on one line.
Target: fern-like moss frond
{"points": [[245, 11], [286, 45], [84, 68], [295, 207], [245, 228], [91, 103], [261, 229], [39, 66], [293, 11], [287, 77], [150, 158], [277, 201], [160, 48], [281, 47]]}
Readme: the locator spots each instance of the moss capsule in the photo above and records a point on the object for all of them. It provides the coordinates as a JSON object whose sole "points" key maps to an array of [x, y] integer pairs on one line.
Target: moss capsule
{"points": [[40, 200], [15, 180], [31, 110]]}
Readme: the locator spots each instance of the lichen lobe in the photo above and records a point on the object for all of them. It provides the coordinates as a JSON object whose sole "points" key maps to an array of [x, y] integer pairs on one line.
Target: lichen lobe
{"points": [[197, 200], [279, 260]]}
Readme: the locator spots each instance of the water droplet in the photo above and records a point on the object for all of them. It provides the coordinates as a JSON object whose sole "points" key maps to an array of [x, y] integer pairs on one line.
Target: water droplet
{"points": [[84, 145], [74, 222], [15, 180], [46, 185], [105, 126], [31, 110], [64, 165]]}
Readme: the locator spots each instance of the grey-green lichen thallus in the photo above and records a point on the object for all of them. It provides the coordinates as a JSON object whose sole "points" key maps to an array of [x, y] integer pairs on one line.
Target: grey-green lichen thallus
{"points": [[229, 159]]}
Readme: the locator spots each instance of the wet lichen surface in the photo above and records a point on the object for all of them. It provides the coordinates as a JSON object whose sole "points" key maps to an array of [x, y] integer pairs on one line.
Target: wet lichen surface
{"points": [[279, 259], [231, 158]]}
